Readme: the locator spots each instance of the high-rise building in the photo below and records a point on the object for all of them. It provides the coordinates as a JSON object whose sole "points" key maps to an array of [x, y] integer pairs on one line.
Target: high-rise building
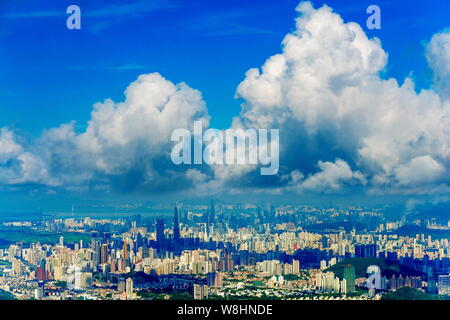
{"points": [[82, 280], [160, 231], [366, 250], [41, 271], [272, 214], [200, 292], [349, 276], [39, 292], [214, 279], [129, 287], [113, 267], [97, 252], [125, 251], [295, 266], [121, 285], [104, 254], [324, 241], [443, 284], [212, 213], [176, 226]]}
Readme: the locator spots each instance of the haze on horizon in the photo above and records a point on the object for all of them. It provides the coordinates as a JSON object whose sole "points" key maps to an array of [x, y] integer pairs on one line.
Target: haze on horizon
{"points": [[354, 132]]}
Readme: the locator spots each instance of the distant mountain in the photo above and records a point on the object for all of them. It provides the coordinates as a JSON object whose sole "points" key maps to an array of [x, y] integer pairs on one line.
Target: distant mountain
{"points": [[440, 211], [412, 229], [328, 226], [5, 243]]}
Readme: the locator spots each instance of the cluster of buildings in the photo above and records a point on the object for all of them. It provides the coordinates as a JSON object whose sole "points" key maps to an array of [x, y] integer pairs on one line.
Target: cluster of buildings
{"points": [[275, 267], [328, 282], [219, 253]]}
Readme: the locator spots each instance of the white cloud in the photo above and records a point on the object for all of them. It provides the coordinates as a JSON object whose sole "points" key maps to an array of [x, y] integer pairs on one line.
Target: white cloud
{"points": [[419, 170], [118, 134], [121, 137], [326, 92], [18, 165], [438, 56], [9, 149], [332, 177]]}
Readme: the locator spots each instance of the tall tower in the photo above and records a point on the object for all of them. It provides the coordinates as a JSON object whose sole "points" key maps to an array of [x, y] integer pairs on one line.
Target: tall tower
{"points": [[160, 231], [212, 213], [129, 287], [125, 251], [349, 276], [176, 225], [104, 254]]}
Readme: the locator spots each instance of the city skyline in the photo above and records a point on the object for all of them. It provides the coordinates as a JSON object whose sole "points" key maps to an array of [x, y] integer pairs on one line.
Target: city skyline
{"points": [[228, 252]]}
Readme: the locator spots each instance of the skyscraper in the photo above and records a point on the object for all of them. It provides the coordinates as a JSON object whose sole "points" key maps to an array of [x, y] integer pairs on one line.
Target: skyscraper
{"points": [[41, 271], [349, 276], [272, 214], [443, 284], [160, 231], [324, 241], [129, 287], [104, 254], [212, 213], [176, 226], [39, 291], [121, 285], [125, 251], [96, 246]]}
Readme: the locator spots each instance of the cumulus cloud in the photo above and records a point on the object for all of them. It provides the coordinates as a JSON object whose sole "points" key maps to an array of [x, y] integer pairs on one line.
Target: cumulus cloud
{"points": [[325, 93], [9, 149], [341, 124], [120, 133], [18, 166], [419, 170], [125, 145], [438, 56], [331, 177]]}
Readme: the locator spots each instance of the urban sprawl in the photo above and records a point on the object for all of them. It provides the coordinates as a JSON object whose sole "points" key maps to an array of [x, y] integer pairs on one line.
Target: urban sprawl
{"points": [[225, 251]]}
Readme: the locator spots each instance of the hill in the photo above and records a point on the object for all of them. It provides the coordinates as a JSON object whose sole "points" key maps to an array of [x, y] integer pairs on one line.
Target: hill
{"points": [[411, 230], [407, 293], [438, 211], [388, 268]]}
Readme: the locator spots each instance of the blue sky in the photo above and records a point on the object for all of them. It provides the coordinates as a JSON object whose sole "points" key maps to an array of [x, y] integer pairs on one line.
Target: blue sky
{"points": [[50, 75]]}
